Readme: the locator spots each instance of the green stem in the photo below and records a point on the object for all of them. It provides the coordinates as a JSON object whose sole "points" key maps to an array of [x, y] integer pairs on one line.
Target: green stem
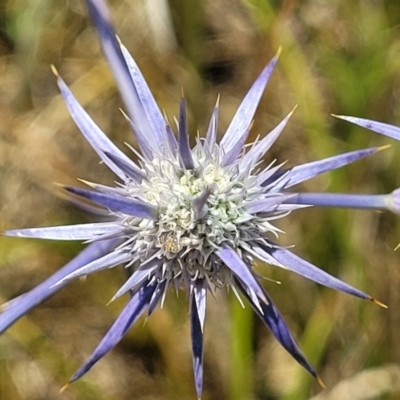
{"points": [[241, 363]]}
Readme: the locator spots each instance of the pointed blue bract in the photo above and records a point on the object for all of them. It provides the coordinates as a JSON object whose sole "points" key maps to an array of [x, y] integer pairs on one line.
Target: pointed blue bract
{"points": [[197, 313], [200, 297], [303, 172], [306, 269], [211, 135], [70, 232], [359, 201], [183, 138], [241, 271], [112, 50], [93, 134], [245, 113], [154, 116], [274, 321], [379, 127], [117, 203]]}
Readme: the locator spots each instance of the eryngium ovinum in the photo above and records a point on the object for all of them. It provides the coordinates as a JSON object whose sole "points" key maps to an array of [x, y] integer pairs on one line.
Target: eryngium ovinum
{"points": [[187, 218]]}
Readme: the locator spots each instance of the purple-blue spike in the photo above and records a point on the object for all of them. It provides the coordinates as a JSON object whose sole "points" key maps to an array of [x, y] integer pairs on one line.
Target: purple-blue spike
{"points": [[309, 271], [240, 270], [135, 208], [197, 306], [153, 113], [379, 127], [276, 324], [199, 291], [245, 113], [93, 134], [211, 135], [183, 138], [303, 172], [112, 50], [69, 232], [359, 201]]}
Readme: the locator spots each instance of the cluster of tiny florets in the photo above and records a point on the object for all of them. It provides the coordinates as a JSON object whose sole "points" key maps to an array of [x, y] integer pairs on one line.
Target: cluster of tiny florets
{"points": [[184, 241]]}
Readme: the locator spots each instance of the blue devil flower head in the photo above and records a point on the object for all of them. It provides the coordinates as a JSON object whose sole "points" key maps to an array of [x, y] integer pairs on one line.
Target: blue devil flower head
{"points": [[188, 218]]}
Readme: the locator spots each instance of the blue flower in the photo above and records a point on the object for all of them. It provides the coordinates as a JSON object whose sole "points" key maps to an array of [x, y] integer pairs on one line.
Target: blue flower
{"points": [[188, 218]]}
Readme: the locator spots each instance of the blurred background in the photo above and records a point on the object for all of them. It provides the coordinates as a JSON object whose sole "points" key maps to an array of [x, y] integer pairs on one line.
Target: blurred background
{"points": [[338, 57]]}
